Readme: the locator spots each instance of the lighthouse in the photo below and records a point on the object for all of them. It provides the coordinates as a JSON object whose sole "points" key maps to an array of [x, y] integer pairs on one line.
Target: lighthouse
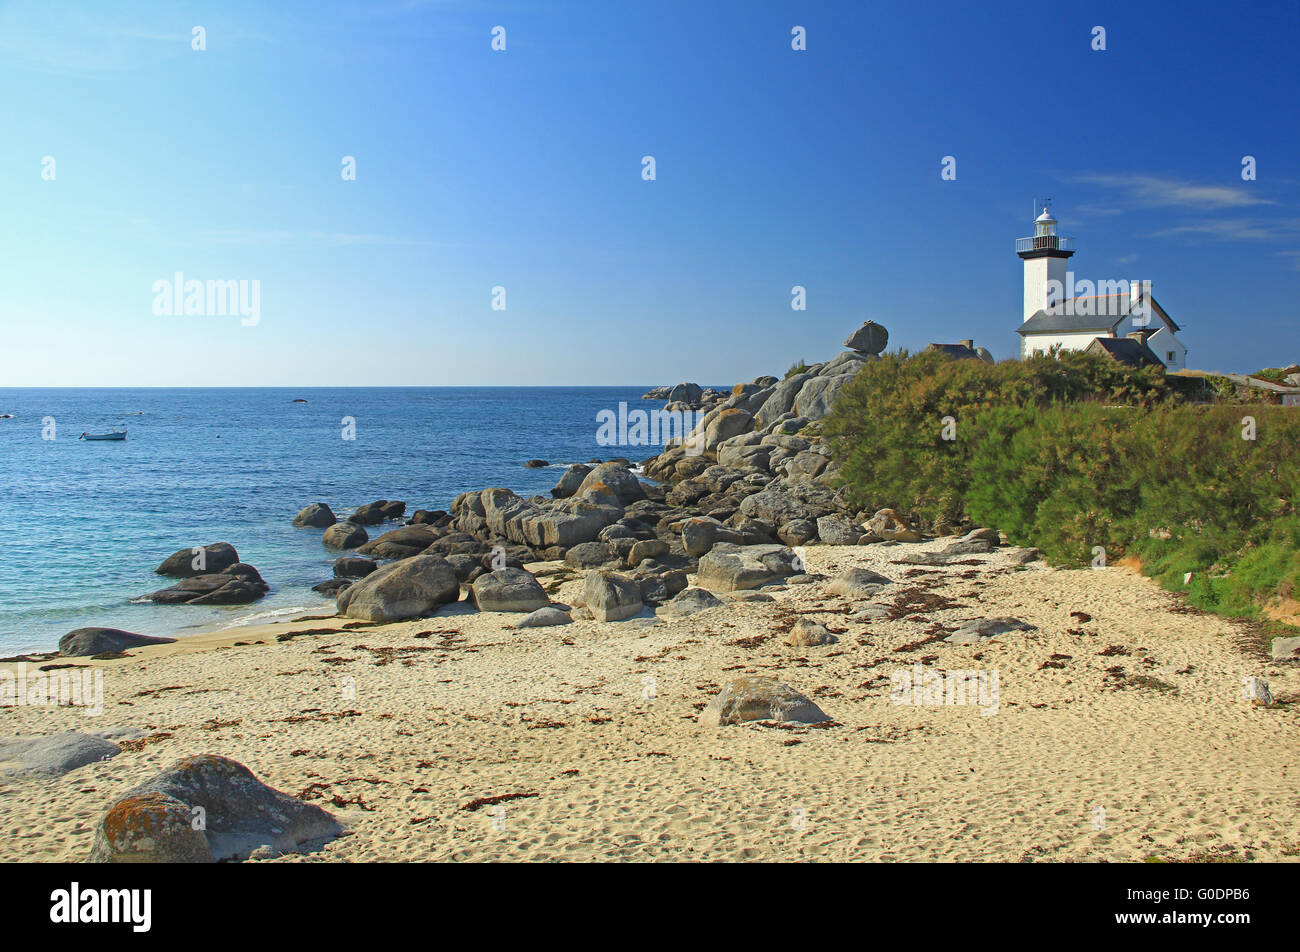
{"points": [[1044, 256]]}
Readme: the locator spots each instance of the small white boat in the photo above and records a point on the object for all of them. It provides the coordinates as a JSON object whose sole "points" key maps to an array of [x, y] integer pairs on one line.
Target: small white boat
{"points": [[113, 435]]}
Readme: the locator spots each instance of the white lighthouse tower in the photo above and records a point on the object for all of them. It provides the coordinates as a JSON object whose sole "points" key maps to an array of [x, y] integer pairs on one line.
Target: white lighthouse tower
{"points": [[1044, 255]]}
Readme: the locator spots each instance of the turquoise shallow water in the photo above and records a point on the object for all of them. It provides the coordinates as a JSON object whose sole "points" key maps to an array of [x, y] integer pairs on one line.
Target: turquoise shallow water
{"points": [[84, 524]]}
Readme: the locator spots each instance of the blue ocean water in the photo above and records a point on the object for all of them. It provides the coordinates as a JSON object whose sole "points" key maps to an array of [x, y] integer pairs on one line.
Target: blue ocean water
{"points": [[85, 523]]}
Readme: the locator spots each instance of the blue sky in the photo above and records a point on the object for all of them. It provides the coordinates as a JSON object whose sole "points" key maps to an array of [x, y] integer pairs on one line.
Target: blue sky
{"points": [[522, 169]]}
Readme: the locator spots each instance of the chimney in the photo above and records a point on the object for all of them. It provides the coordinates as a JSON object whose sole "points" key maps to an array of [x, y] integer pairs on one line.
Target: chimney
{"points": [[968, 344], [1139, 336]]}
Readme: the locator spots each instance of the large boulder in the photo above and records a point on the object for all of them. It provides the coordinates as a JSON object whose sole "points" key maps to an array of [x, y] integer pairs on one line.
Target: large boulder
{"points": [[816, 397], [725, 425], [544, 618], [316, 516], [1285, 649], [760, 699], [980, 630], [238, 584], [782, 399], [871, 338], [351, 566], [728, 567], [611, 597], [618, 478], [509, 590], [93, 641], [239, 813], [199, 560], [410, 588], [888, 524], [838, 530], [686, 393], [381, 510], [806, 633], [400, 543], [52, 755], [344, 535]]}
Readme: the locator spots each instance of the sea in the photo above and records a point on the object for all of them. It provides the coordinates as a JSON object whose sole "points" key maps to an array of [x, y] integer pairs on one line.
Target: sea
{"points": [[83, 524]]}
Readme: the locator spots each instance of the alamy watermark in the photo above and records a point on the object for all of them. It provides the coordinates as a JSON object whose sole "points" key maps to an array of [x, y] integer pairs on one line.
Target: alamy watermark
{"points": [[928, 687], [82, 688], [181, 298], [650, 428]]}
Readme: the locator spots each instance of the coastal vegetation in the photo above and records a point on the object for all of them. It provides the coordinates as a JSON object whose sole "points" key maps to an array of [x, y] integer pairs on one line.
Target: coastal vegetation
{"points": [[1089, 461]]}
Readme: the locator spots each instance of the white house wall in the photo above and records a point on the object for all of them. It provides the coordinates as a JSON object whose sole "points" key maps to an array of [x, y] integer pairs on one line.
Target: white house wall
{"points": [[1163, 342], [1045, 342]]}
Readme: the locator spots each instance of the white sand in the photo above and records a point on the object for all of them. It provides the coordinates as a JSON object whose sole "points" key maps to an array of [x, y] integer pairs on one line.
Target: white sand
{"points": [[440, 721]]}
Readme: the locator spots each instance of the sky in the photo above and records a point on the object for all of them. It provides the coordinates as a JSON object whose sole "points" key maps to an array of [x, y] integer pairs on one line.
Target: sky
{"points": [[522, 169]]}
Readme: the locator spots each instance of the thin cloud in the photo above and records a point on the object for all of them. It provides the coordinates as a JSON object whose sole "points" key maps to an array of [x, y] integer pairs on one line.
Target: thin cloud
{"points": [[1152, 191], [1235, 229]]}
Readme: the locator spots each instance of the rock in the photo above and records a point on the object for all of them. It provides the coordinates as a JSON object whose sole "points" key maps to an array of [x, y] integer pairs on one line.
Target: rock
{"points": [[870, 338], [200, 560], [924, 558], [685, 393], [351, 566], [614, 477], [807, 633], [344, 535], [1255, 690], [536, 464], [991, 536], [1024, 556], [589, 555], [148, 823], [331, 587], [748, 595], [373, 513], [570, 481], [857, 583], [400, 543], [92, 641], [797, 532], [889, 525], [760, 699], [509, 590], [52, 755], [869, 613], [238, 584], [648, 549], [980, 630], [698, 536], [265, 851], [1284, 649], [691, 600], [725, 425], [426, 517], [316, 516], [728, 567], [410, 588], [817, 395], [965, 547], [544, 617], [837, 530], [659, 584], [611, 597]]}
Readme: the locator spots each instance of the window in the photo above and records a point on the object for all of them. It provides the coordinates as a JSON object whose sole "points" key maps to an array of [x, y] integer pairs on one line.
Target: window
{"points": [[1171, 356]]}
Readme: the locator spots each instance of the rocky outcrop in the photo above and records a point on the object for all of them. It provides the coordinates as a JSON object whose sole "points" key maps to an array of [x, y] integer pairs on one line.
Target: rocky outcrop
{"points": [[316, 516], [410, 588], [400, 543], [157, 821], [239, 584], [760, 699], [199, 560], [92, 641]]}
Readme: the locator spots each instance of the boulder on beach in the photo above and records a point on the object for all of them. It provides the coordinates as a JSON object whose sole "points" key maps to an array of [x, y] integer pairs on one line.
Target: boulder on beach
{"points": [[92, 641], [316, 516], [509, 590], [806, 633], [1285, 649], [857, 583], [544, 617], [611, 597], [982, 629], [689, 601], [410, 588], [344, 535], [571, 480], [331, 587], [889, 525], [353, 566], [728, 567], [199, 560], [154, 821], [238, 584], [589, 555], [760, 699], [52, 755], [838, 530]]}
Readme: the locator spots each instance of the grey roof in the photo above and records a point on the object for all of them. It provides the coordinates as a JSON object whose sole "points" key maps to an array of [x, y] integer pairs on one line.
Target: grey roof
{"points": [[955, 351], [1066, 320], [1126, 350]]}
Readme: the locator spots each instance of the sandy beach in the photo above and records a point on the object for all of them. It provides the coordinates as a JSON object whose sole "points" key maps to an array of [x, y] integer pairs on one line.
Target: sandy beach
{"points": [[584, 739]]}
